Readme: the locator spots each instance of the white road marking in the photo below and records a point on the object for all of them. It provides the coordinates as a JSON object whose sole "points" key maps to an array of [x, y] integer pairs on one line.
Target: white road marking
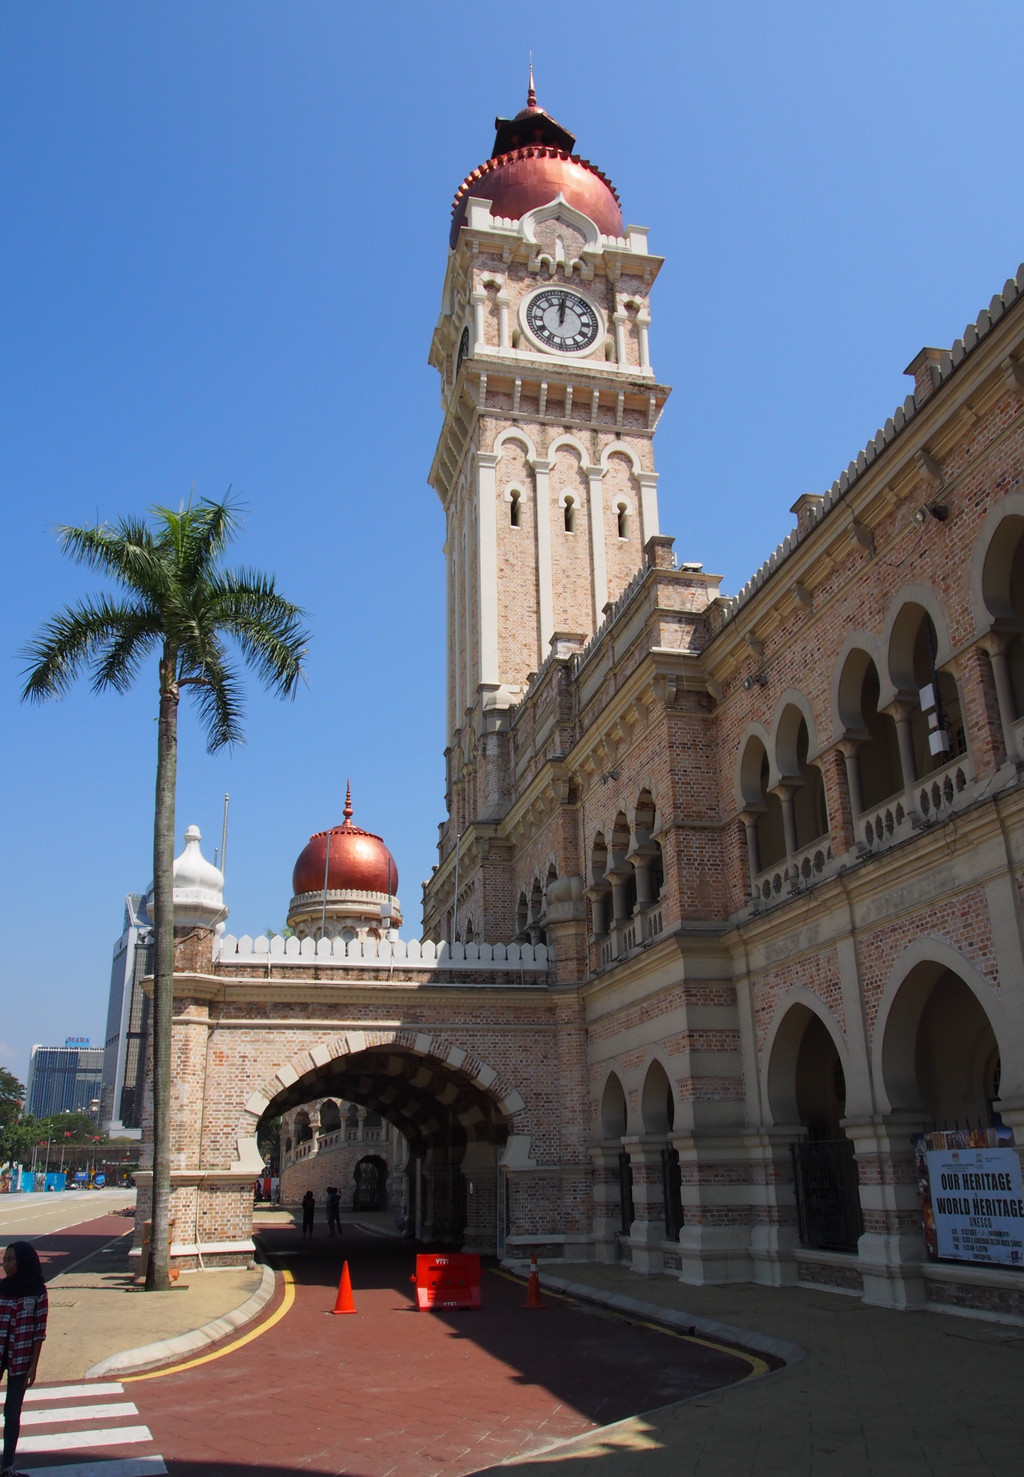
{"points": [[79, 1413], [71, 1392], [84, 1440]]}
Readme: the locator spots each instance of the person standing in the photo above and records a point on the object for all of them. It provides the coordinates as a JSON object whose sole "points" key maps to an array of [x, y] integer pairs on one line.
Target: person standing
{"points": [[23, 1309], [308, 1212], [333, 1211]]}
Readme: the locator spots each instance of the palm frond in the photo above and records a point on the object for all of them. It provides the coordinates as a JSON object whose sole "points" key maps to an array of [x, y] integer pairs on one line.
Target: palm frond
{"points": [[82, 636], [127, 552], [218, 701], [196, 535], [267, 628]]}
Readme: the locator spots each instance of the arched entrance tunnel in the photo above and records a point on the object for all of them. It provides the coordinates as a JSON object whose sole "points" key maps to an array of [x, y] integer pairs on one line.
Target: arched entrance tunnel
{"points": [[455, 1131]]}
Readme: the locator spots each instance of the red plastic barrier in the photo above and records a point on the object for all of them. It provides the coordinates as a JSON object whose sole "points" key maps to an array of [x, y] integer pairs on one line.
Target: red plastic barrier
{"points": [[448, 1281]]}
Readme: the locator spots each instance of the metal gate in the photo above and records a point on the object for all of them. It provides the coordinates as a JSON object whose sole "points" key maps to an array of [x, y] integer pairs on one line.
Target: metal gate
{"points": [[502, 1208], [626, 1192], [672, 1187], [448, 1203], [827, 1194]]}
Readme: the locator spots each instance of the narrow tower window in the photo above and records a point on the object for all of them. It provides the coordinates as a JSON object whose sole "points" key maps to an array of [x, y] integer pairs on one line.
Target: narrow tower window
{"points": [[623, 521], [569, 515], [514, 511]]}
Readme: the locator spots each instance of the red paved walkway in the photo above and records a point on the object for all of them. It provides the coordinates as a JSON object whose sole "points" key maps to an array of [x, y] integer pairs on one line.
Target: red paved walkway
{"points": [[59, 1251], [395, 1391]]}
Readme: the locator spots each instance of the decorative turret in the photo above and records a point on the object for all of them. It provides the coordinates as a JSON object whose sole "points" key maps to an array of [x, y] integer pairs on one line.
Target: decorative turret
{"points": [[198, 888], [532, 163]]}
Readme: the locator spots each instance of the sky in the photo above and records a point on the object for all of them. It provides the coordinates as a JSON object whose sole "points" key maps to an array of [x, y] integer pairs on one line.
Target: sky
{"points": [[222, 246]]}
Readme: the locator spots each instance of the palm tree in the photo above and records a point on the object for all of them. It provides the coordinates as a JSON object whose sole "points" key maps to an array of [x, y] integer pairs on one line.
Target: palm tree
{"points": [[177, 604]]}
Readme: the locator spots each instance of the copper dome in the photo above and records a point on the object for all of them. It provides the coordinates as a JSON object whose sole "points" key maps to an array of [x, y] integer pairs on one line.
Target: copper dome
{"points": [[358, 861], [531, 163]]}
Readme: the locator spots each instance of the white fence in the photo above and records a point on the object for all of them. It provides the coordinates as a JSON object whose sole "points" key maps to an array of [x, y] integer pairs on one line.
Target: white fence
{"points": [[412, 953]]}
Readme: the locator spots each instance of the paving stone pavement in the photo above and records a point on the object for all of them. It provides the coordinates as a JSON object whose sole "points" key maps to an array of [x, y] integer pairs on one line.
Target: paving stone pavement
{"points": [[879, 1394]]}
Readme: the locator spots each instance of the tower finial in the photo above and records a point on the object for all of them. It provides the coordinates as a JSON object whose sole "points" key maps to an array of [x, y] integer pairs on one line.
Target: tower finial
{"points": [[348, 801], [531, 95]]}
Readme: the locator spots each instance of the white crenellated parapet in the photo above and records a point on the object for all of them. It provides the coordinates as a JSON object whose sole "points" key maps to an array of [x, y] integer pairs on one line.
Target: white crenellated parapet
{"points": [[413, 953]]}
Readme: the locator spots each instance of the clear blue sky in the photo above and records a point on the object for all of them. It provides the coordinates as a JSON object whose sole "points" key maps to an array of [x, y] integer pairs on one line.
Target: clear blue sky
{"points": [[223, 241]]}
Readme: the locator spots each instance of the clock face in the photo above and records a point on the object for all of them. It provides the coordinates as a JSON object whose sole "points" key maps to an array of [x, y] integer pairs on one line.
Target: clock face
{"points": [[562, 320]]}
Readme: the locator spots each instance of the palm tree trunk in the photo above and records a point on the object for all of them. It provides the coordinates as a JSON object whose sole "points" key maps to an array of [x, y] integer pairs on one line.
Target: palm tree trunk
{"points": [[158, 1272]]}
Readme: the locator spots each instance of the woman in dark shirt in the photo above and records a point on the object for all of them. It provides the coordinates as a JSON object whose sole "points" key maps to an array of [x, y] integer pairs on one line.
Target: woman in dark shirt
{"points": [[23, 1308]]}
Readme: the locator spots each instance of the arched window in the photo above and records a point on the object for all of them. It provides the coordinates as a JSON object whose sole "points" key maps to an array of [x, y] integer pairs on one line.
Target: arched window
{"points": [[599, 892], [621, 873], [877, 756], [622, 519], [515, 511], [766, 832], [936, 730], [569, 515], [330, 1117], [1003, 586], [806, 782]]}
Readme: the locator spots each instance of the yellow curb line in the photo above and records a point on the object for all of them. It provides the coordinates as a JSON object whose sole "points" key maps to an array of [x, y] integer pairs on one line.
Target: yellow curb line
{"points": [[758, 1366], [286, 1302]]}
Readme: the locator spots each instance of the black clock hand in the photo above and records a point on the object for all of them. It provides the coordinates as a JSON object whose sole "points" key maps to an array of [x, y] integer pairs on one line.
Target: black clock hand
{"points": [[561, 313]]}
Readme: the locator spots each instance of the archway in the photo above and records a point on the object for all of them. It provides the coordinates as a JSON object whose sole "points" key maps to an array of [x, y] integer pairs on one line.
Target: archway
{"points": [[370, 1183], [658, 1110], [807, 1087], [877, 757], [940, 1056], [454, 1125]]}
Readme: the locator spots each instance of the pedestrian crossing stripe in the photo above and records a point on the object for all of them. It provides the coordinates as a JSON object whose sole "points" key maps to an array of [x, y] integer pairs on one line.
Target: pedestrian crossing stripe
{"points": [[84, 1440], [47, 1410], [103, 1412], [71, 1392]]}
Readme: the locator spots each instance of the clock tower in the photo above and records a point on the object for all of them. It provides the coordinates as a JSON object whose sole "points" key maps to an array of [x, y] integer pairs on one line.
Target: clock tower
{"points": [[545, 464]]}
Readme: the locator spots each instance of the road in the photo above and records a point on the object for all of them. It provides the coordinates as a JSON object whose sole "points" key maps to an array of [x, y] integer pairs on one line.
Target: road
{"points": [[66, 1227], [387, 1392]]}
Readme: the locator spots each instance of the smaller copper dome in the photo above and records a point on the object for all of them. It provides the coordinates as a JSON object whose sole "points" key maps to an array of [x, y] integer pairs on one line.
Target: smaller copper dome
{"points": [[358, 861]]}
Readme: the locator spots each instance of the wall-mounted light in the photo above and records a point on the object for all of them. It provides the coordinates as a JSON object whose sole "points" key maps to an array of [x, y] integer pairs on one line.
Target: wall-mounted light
{"points": [[939, 511], [756, 679]]}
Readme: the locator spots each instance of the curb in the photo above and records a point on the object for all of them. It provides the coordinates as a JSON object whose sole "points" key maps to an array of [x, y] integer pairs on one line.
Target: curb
{"points": [[707, 1328], [149, 1355]]}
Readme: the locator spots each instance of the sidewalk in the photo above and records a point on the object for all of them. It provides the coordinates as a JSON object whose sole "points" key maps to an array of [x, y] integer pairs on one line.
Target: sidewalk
{"points": [[96, 1314], [878, 1394]]}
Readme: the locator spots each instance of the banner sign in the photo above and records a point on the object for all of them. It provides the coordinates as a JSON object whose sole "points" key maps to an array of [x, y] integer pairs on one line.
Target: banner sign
{"points": [[972, 1198]]}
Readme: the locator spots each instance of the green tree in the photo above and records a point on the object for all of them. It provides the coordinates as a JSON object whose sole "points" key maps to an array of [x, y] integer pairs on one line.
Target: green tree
{"points": [[179, 605], [13, 1118]]}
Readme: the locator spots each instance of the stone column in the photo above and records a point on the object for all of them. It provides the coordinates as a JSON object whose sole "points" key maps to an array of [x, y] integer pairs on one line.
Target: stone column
{"points": [[607, 1210], [901, 712], [774, 1237], [996, 643], [718, 1203], [891, 1250], [545, 592], [839, 798], [648, 1229], [753, 849]]}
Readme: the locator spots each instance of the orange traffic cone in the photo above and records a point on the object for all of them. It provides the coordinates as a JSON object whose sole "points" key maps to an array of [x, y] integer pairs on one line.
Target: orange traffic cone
{"points": [[533, 1297], [344, 1302]]}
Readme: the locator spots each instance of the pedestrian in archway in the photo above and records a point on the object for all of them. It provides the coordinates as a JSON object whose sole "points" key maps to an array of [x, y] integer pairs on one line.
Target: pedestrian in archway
{"points": [[23, 1308], [308, 1212], [333, 1210]]}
